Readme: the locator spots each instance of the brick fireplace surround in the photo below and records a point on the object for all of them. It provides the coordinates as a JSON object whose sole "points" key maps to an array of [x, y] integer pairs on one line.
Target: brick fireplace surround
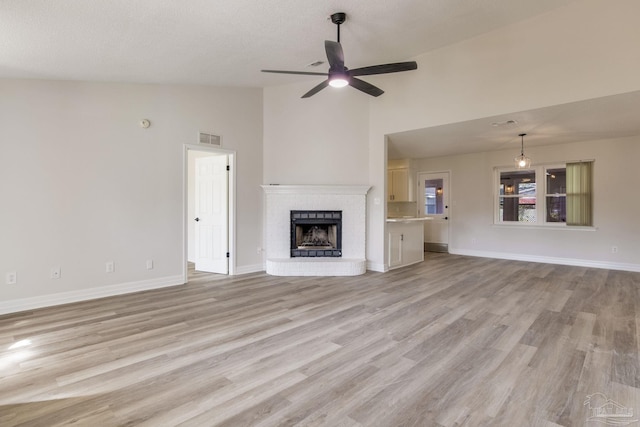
{"points": [[280, 200]]}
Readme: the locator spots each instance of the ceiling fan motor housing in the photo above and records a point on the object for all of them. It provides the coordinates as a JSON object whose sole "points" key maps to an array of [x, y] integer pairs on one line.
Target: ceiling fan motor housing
{"points": [[338, 18]]}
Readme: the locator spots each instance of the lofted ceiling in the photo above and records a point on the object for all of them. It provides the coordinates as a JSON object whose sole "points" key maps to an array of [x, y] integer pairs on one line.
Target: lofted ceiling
{"points": [[228, 42]]}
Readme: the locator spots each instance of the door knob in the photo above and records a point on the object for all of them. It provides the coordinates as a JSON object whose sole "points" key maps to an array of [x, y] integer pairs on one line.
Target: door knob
{"points": [[446, 217], [197, 219]]}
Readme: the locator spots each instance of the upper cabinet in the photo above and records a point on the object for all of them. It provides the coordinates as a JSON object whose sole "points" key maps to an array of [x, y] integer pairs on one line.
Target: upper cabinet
{"points": [[398, 185], [399, 181]]}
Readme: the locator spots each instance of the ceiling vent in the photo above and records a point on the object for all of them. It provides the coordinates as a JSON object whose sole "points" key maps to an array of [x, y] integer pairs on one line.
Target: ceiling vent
{"points": [[209, 139], [505, 123]]}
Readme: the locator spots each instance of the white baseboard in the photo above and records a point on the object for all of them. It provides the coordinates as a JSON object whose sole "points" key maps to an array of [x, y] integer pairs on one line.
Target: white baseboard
{"points": [[22, 304], [246, 269], [549, 260], [374, 266]]}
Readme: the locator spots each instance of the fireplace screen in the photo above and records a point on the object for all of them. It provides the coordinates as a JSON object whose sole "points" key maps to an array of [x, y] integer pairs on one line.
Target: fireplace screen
{"points": [[316, 234]]}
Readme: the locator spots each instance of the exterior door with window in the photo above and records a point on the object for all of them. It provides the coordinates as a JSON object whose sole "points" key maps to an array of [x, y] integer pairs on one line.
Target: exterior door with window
{"points": [[433, 199], [212, 212]]}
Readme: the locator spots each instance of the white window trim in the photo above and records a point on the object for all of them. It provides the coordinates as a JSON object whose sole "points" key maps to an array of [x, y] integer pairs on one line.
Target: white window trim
{"points": [[541, 197]]}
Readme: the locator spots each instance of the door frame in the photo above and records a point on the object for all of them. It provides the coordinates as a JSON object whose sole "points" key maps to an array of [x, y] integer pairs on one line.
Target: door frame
{"points": [[449, 197], [231, 204]]}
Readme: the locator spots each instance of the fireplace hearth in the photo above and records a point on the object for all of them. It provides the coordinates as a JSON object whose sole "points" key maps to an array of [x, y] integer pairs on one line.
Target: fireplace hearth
{"points": [[316, 234]]}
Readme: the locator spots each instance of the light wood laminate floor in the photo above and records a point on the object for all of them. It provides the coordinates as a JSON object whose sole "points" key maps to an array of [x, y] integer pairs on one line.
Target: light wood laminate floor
{"points": [[453, 341]]}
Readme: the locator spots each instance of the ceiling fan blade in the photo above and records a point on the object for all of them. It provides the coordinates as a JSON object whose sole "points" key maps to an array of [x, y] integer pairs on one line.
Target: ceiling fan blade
{"points": [[334, 54], [316, 89], [384, 68], [304, 73], [367, 88]]}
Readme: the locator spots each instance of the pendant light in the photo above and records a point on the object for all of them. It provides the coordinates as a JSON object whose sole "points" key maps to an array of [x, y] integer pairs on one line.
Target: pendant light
{"points": [[522, 161]]}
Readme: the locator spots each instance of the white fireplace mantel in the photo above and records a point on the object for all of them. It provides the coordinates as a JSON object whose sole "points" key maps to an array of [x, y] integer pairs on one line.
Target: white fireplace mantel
{"points": [[317, 189], [280, 200]]}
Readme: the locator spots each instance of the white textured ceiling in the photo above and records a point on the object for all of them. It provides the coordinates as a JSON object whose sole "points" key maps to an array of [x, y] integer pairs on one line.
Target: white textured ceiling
{"points": [[594, 119], [227, 42]]}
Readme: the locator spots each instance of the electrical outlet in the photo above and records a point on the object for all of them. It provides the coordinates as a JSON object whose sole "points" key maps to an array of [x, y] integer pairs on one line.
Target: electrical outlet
{"points": [[259, 250], [11, 278], [110, 267], [474, 241], [149, 264], [56, 273], [614, 249]]}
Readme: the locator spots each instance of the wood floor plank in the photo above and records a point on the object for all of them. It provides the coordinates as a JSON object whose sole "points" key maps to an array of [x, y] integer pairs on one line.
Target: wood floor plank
{"points": [[452, 341]]}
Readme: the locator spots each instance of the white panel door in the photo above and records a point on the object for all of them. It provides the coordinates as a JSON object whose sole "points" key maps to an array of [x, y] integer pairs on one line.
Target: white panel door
{"points": [[212, 214], [433, 201]]}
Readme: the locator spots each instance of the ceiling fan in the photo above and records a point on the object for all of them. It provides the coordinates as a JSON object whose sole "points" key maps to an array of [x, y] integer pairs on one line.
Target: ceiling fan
{"points": [[340, 76]]}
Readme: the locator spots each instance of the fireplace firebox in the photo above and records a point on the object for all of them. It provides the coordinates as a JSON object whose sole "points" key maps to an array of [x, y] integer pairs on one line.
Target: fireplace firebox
{"points": [[316, 234]]}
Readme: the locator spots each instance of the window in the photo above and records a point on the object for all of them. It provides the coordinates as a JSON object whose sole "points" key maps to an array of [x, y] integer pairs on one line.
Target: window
{"points": [[433, 204], [518, 196], [557, 195], [580, 193]]}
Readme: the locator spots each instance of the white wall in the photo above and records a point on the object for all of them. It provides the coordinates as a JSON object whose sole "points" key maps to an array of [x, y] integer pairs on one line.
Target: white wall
{"points": [[82, 183], [318, 140], [616, 208], [580, 51]]}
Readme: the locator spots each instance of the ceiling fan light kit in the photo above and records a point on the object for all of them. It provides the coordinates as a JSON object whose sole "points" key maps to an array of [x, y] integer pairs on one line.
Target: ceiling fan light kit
{"points": [[338, 79], [339, 75]]}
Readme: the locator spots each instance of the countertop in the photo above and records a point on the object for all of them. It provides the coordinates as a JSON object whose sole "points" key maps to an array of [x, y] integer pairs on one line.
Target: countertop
{"points": [[409, 219]]}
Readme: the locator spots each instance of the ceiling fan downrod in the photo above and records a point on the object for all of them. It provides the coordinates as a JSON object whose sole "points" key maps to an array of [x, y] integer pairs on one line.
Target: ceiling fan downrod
{"points": [[338, 18]]}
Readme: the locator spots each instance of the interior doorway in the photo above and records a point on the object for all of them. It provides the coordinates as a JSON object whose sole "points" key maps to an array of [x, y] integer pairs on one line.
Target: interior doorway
{"points": [[209, 211], [433, 201]]}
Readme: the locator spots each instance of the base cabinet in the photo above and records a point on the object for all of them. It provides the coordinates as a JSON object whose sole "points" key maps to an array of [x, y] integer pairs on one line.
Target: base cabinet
{"points": [[406, 243], [395, 249]]}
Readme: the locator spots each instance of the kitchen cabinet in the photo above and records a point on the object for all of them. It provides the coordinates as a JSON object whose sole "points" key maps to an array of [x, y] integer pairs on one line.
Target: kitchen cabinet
{"points": [[395, 248], [406, 242], [398, 185]]}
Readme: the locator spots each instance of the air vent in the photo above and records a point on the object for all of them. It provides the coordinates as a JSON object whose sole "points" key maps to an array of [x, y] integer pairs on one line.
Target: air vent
{"points": [[505, 123], [209, 139], [315, 64]]}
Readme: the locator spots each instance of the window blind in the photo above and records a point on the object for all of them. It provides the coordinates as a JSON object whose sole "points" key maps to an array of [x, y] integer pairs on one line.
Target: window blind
{"points": [[579, 193]]}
